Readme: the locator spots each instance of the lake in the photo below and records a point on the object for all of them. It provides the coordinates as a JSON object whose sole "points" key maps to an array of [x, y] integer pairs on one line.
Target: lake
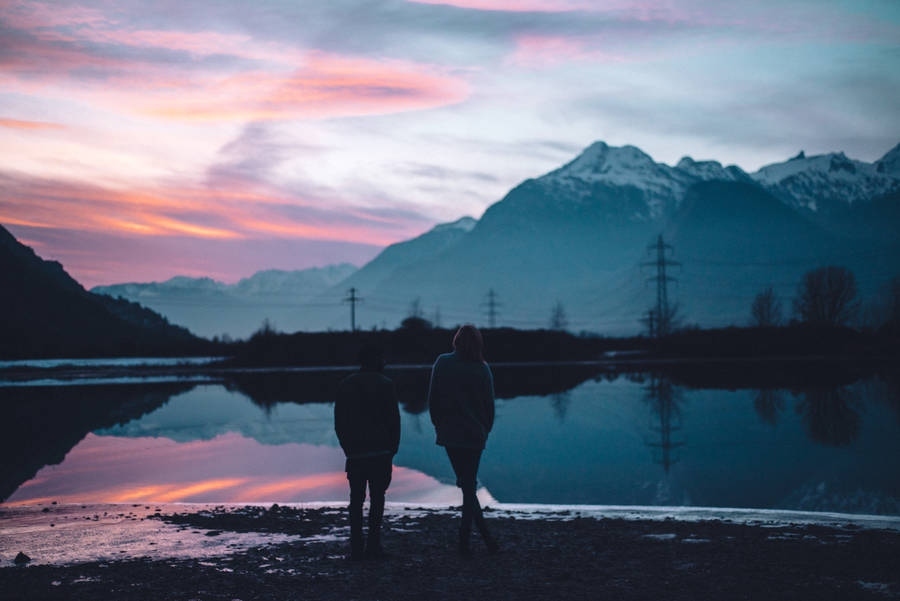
{"points": [[808, 437]]}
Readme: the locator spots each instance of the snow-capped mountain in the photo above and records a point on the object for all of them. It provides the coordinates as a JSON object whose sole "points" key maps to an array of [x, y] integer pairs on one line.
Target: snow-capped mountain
{"points": [[177, 286], [711, 171], [582, 235], [210, 308], [889, 164], [304, 283], [830, 182]]}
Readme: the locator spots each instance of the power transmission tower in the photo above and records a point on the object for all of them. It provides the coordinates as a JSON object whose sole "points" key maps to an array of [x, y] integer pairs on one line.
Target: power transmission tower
{"points": [[664, 313], [352, 299], [492, 306]]}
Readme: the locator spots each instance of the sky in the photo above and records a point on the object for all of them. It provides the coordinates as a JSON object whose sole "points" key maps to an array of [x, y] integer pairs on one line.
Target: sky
{"points": [[143, 140]]}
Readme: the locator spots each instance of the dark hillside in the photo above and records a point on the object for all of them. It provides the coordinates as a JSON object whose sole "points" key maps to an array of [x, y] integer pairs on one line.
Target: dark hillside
{"points": [[46, 313]]}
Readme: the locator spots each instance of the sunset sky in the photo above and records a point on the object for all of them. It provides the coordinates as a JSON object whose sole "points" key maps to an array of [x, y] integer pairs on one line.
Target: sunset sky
{"points": [[142, 140]]}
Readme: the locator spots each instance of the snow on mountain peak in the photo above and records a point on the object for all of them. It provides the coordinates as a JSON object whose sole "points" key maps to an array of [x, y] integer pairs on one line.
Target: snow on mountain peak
{"points": [[834, 164], [710, 170], [889, 164], [630, 166], [829, 179], [465, 224], [625, 165], [663, 187], [296, 282]]}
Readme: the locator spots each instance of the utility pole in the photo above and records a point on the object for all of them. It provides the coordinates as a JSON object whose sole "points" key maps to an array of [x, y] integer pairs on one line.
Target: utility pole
{"points": [[663, 311], [352, 299], [492, 306]]}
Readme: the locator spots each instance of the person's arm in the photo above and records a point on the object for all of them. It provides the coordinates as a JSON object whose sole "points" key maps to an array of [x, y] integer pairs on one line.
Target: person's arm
{"points": [[342, 417], [394, 419], [489, 401], [435, 400]]}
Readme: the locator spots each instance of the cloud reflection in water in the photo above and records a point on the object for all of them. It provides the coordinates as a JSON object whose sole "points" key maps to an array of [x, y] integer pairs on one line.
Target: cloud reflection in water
{"points": [[229, 468]]}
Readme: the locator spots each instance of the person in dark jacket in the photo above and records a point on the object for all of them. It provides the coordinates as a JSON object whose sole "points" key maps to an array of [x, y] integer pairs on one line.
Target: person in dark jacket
{"points": [[367, 423], [461, 404]]}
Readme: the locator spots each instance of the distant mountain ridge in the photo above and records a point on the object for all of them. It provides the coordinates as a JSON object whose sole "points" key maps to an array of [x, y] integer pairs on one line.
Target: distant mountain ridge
{"points": [[213, 308], [580, 236]]}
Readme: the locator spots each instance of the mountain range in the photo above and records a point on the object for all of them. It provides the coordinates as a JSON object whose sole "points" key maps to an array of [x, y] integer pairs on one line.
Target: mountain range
{"points": [[590, 237], [211, 308]]}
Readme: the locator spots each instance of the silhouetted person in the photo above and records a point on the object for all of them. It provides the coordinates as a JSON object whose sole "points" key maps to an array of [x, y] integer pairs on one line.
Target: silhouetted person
{"points": [[367, 423], [461, 402]]}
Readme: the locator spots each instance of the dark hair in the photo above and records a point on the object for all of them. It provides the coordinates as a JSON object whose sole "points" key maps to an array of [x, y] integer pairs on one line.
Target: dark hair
{"points": [[468, 343], [370, 358]]}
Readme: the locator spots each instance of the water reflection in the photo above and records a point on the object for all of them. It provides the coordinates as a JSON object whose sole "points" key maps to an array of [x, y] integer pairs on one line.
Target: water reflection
{"points": [[832, 415], [42, 424], [572, 434], [561, 401], [769, 403], [226, 468], [664, 404]]}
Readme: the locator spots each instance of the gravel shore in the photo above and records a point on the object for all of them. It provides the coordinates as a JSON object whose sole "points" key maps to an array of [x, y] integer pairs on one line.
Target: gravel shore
{"points": [[301, 554]]}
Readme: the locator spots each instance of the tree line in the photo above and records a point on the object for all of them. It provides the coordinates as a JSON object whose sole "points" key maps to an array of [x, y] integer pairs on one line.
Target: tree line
{"points": [[829, 296]]}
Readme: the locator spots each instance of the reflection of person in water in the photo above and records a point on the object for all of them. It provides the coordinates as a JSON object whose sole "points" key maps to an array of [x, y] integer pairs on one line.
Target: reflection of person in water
{"points": [[461, 402], [367, 423]]}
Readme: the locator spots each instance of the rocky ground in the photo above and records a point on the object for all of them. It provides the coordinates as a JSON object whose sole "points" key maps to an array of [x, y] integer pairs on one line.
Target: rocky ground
{"points": [[559, 556]]}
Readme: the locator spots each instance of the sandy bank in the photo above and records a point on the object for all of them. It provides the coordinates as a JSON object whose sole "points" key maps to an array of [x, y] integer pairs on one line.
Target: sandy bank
{"points": [[298, 552]]}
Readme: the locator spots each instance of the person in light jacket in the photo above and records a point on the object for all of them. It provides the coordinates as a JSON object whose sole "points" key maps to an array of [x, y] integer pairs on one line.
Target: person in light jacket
{"points": [[367, 424], [461, 405]]}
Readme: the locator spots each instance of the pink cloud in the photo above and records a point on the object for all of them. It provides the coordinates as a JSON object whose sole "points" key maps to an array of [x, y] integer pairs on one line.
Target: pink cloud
{"points": [[103, 235], [325, 86], [255, 80], [28, 125], [545, 51], [245, 211]]}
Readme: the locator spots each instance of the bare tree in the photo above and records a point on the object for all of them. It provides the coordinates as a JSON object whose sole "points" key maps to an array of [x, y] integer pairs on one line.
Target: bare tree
{"points": [[558, 318], [892, 320], [415, 308], [766, 309], [827, 296], [415, 320], [888, 305]]}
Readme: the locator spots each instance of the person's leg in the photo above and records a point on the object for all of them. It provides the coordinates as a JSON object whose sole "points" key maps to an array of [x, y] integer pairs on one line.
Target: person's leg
{"points": [[357, 478], [465, 464], [379, 480]]}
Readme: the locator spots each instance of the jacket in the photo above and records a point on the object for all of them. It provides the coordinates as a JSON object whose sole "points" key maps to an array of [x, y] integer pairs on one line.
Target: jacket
{"points": [[461, 401], [367, 416]]}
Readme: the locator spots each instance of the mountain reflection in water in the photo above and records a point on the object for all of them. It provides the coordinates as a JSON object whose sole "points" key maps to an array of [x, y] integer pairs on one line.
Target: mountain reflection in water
{"points": [[825, 440]]}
